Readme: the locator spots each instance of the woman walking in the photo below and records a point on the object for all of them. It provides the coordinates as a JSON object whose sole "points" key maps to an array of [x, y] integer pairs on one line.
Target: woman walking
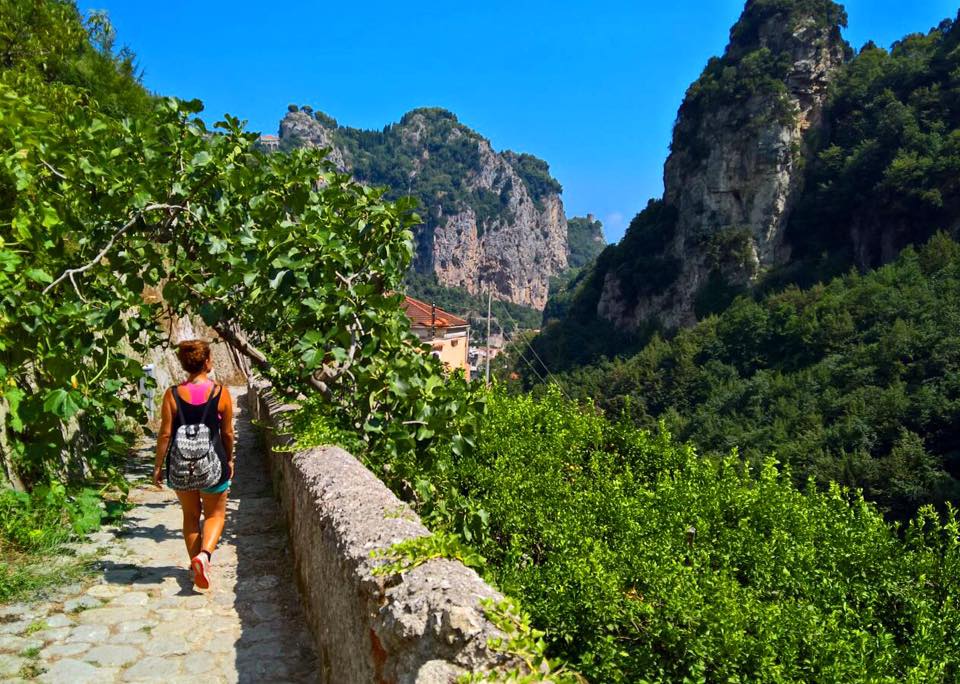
{"points": [[199, 401]]}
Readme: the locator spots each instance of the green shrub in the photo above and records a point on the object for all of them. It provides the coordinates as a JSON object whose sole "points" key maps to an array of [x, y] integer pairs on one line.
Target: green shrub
{"points": [[833, 379], [47, 516], [647, 562], [32, 528], [644, 561]]}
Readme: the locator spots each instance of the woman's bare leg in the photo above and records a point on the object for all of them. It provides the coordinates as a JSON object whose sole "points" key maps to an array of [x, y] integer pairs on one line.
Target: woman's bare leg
{"points": [[214, 516], [190, 503]]}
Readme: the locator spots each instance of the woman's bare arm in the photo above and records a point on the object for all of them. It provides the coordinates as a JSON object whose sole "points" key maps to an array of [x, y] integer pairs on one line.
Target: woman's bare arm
{"points": [[163, 439], [225, 406]]}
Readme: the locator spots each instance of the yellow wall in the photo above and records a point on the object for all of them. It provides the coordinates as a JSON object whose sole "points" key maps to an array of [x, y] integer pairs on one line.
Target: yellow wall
{"points": [[452, 352]]}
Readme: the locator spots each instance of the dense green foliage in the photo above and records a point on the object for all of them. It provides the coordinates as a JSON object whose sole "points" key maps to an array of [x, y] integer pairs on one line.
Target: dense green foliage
{"points": [[51, 56], [50, 41], [887, 171], [584, 241], [855, 381], [292, 263], [645, 561]]}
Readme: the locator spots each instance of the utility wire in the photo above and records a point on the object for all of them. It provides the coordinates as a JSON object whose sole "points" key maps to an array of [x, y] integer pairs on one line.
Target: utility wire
{"points": [[532, 350], [540, 377], [550, 375]]}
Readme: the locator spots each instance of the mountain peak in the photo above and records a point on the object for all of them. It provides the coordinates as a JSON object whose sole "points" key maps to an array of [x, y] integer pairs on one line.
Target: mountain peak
{"points": [[493, 222], [430, 115], [780, 24]]}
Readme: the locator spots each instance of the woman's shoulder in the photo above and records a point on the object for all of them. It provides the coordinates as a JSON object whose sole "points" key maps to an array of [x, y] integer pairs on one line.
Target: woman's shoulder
{"points": [[169, 402], [225, 396]]}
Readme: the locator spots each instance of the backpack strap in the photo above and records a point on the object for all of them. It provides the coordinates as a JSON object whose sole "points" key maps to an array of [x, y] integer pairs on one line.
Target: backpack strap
{"points": [[206, 407], [176, 396]]}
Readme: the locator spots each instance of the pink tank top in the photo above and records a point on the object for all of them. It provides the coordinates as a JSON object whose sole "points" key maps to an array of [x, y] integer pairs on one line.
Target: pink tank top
{"points": [[199, 392]]}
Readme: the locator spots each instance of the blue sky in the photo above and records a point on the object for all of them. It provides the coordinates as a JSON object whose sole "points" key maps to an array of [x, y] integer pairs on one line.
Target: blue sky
{"points": [[593, 88]]}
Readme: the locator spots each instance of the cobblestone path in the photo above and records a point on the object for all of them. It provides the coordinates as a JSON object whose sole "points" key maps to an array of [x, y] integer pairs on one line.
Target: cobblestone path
{"points": [[140, 619]]}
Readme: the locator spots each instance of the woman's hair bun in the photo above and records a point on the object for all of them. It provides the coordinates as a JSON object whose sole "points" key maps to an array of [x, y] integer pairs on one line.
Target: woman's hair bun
{"points": [[193, 355]]}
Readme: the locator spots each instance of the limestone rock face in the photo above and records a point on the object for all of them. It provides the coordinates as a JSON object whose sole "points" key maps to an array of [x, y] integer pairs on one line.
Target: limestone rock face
{"points": [[514, 254], [303, 130], [487, 227], [735, 169]]}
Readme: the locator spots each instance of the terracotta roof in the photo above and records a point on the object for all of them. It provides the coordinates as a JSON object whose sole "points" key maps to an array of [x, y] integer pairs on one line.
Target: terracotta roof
{"points": [[426, 315], [267, 136]]}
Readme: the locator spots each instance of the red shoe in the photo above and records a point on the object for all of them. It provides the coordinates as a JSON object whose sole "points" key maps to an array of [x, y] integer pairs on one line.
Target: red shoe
{"points": [[200, 565]]}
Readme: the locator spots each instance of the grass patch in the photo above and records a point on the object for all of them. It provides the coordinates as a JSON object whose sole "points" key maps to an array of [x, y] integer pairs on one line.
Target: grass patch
{"points": [[31, 652], [31, 671], [34, 527], [23, 575], [35, 627]]}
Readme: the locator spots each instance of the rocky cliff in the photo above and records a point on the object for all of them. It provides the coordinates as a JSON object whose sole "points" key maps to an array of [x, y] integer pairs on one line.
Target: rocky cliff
{"points": [[493, 222], [743, 135]]}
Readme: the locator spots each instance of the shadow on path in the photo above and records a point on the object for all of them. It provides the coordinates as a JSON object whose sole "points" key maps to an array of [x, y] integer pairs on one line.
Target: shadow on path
{"points": [[274, 644], [143, 620]]}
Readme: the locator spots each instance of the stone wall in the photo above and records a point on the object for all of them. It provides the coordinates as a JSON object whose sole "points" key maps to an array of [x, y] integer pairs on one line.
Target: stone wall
{"points": [[424, 626]]}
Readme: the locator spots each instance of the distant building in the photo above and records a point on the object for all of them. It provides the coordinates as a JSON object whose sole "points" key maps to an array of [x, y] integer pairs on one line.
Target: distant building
{"points": [[447, 335], [270, 143]]}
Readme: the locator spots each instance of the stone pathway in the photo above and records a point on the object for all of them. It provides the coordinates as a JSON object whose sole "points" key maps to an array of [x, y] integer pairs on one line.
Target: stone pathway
{"points": [[142, 620]]}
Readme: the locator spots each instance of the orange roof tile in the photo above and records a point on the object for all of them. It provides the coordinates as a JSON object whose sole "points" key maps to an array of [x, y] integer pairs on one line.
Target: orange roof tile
{"points": [[427, 315]]}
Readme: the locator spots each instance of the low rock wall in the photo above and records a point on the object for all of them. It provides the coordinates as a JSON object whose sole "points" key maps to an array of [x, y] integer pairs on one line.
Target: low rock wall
{"points": [[425, 625]]}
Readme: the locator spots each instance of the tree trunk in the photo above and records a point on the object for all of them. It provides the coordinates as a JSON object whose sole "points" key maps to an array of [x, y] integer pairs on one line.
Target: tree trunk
{"points": [[8, 472]]}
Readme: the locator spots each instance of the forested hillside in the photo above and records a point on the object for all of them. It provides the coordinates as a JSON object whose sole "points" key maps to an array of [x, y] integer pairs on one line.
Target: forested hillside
{"points": [[850, 381], [887, 171], [876, 171], [856, 381]]}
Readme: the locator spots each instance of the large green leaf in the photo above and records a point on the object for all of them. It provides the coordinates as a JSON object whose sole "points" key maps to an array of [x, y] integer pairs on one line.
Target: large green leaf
{"points": [[62, 403]]}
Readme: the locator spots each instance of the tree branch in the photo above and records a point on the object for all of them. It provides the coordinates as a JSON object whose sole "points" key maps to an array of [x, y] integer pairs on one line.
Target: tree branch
{"points": [[52, 170], [70, 272], [236, 340]]}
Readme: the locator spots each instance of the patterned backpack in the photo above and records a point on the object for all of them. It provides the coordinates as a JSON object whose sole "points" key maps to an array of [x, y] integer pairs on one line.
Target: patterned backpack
{"points": [[193, 462]]}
